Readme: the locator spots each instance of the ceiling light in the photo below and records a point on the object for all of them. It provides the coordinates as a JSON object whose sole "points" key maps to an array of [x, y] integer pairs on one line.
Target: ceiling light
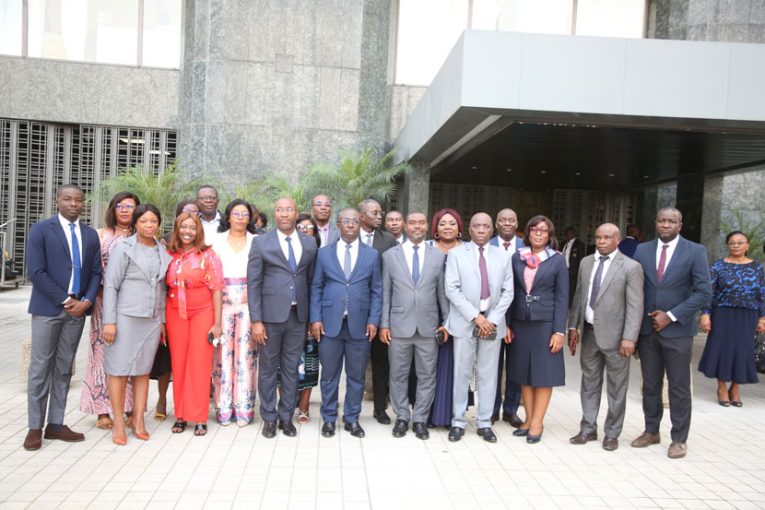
{"points": [[543, 171], [475, 168], [509, 169], [578, 173], [611, 175]]}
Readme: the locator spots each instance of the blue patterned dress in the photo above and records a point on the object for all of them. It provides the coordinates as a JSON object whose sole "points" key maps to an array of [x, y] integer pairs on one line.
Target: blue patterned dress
{"points": [[738, 301]]}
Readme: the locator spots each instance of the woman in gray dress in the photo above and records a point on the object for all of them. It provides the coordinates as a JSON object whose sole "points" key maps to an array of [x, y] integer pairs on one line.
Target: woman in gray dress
{"points": [[134, 316]]}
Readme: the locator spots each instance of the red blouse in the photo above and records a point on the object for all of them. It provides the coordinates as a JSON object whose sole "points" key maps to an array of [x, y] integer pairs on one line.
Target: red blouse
{"points": [[192, 270]]}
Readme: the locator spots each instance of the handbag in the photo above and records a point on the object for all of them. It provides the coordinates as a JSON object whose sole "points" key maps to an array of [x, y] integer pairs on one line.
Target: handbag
{"points": [[759, 352]]}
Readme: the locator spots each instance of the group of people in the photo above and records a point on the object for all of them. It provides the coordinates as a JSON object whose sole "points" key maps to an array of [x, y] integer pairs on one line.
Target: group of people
{"points": [[231, 311]]}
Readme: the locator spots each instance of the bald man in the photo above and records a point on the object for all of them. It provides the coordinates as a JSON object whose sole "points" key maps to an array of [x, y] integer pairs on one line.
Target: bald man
{"points": [[607, 309]]}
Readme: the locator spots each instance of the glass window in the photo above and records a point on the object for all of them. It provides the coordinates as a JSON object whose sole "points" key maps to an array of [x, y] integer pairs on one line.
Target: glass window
{"points": [[162, 33], [548, 17], [610, 18], [427, 31], [104, 31], [10, 27]]}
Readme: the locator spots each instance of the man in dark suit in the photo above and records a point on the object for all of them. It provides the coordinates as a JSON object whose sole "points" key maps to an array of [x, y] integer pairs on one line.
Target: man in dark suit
{"points": [[608, 310], [278, 278], [370, 234], [573, 250], [630, 243], [413, 301], [394, 225], [346, 302], [64, 265], [321, 211], [676, 287], [506, 225]]}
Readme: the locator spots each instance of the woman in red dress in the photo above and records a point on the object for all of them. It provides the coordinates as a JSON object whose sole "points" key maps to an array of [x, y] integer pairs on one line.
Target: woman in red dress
{"points": [[194, 303]]}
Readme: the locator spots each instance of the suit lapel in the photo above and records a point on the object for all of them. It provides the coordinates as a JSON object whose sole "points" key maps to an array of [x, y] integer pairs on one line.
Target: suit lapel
{"points": [[542, 270], [363, 254], [277, 250], [58, 232], [336, 262], [679, 252], [651, 272], [616, 265], [587, 266], [473, 259], [399, 254]]}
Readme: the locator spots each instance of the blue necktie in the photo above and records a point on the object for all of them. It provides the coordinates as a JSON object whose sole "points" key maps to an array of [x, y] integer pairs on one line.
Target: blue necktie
{"points": [[293, 266], [76, 263], [415, 266]]}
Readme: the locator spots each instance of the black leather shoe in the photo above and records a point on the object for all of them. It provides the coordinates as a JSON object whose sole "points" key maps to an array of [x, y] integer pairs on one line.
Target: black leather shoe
{"points": [[355, 429], [487, 434], [328, 429], [456, 433], [532, 439], [269, 429], [421, 430], [513, 419], [400, 428], [288, 428], [382, 417], [521, 432]]}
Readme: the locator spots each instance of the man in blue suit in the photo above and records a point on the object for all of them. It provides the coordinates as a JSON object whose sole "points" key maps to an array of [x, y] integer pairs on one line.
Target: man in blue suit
{"points": [[64, 265], [676, 286], [507, 224], [346, 304]]}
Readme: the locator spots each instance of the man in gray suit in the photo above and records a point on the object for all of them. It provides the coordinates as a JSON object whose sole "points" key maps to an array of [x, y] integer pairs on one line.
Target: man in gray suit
{"points": [[279, 272], [479, 285], [321, 211], [608, 309], [413, 300]]}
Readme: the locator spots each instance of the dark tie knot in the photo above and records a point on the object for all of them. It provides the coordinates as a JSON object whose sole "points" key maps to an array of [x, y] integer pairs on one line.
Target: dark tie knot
{"points": [[603, 258], [664, 246], [506, 245], [415, 247], [287, 239], [480, 250], [347, 246]]}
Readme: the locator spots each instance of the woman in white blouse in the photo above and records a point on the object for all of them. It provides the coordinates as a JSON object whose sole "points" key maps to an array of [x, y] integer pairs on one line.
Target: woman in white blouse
{"points": [[235, 360]]}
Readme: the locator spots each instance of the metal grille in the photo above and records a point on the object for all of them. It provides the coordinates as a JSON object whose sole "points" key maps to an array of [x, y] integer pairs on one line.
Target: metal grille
{"points": [[36, 158]]}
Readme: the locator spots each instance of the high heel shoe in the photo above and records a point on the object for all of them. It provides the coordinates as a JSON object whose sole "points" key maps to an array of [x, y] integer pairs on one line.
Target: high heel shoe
{"points": [[532, 439], [724, 403], [734, 403], [143, 436], [521, 432], [119, 441]]}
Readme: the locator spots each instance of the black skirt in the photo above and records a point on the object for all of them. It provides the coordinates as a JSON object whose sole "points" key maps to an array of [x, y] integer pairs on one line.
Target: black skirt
{"points": [[531, 362]]}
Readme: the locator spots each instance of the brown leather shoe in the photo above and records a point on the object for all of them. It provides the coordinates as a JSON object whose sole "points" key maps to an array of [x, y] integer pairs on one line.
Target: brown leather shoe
{"points": [[582, 438], [33, 441], [63, 434], [677, 450], [513, 419], [610, 443], [646, 439]]}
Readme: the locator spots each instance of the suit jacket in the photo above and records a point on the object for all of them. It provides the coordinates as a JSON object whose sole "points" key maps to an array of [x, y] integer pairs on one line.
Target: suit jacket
{"points": [[270, 279], [128, 288], [410, 309], [463, 288], [49, 266], [628, 246], [382, 241], [575, 257], [518, 242], [618, 310], [333, 235], [684, 289], [550, 286], [329, 288]]}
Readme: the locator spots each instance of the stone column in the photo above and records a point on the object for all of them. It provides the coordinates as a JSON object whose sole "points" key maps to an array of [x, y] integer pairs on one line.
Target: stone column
{"points": [[416, 193], [711, 216]]}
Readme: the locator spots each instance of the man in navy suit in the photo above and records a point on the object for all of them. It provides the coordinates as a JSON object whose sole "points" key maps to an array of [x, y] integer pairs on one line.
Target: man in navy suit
{"points": [[278, 277], [507, 224], [346, 304], [676, 286], [64, 265], [630, 243]]}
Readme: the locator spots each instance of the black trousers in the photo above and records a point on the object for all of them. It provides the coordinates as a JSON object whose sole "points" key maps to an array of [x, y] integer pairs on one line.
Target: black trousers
{"points": [[658, 354], [380, 374]]}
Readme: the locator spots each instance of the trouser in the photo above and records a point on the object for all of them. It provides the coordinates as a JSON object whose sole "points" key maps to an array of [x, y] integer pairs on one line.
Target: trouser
{"points": [[333, 353], [512, 391], [485, 353], [54, 345], [380, 374], [282, 351], [401, 352]]}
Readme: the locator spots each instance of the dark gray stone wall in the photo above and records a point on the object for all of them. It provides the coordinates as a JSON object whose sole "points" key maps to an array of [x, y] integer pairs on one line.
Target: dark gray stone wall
{"points": [[707, 20]]}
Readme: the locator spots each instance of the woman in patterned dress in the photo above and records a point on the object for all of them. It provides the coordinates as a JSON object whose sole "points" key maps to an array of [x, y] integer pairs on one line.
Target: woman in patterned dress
{"points": [[735, 314], [235, 360], [94, 398]]}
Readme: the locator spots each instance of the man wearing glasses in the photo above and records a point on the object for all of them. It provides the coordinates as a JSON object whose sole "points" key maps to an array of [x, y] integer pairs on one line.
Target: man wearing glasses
{"points": [[371, 216], [321, 211], [207, 200]]}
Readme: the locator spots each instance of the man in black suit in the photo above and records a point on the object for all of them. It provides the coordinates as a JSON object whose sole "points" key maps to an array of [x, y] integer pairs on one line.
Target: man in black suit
{"points": [[676, 286], [573, 250], [371, 216]]}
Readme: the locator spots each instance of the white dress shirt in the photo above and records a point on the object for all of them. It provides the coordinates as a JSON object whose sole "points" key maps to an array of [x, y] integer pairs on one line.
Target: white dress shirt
{"points": [[341, 253], [297, 246], [68, 234], [484, 304], [671, 246], [589, 313], [367, 238], [210, 228], [408, 247], [511, 248], [567, 250], [323, 234]]}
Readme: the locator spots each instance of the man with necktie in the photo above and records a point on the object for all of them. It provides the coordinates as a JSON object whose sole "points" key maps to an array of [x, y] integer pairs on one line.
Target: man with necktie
{"points": [[608, 310], [394, 225], [413, 301], [278, 274], [64, 265], [507, 224], [321, 211], [479, 286], [371, 217], [676, 286], [346, 302]]}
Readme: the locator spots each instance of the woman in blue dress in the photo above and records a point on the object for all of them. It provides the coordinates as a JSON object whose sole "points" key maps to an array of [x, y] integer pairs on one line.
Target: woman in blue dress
{"points": [[735, 314]]}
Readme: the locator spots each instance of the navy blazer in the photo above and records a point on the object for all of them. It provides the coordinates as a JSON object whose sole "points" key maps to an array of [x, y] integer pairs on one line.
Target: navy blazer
{"points": [[684, 289], [550, 286], [270, 279], [330, 285], [49, 266]]}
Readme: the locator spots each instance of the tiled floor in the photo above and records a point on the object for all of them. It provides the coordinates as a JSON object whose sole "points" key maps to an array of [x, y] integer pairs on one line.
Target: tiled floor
{"points": [[232, 467]]}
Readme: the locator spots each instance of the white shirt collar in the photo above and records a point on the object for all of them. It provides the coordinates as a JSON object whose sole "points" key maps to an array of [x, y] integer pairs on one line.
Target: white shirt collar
{"points": [[610, 256], [671, 245], [65, 222], [283, 236]]}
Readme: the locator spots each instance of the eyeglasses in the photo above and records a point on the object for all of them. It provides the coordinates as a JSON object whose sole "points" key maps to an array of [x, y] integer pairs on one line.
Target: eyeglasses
{"points": [[305, 227], [322, 204], [736, 243], [240, 215], [124, 207], [350, 221], [539, 230]]}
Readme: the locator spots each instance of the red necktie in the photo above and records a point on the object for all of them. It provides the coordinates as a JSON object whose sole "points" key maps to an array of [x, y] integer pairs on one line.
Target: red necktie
{"points": [[485, 292], [662, 262], [506, 245]]}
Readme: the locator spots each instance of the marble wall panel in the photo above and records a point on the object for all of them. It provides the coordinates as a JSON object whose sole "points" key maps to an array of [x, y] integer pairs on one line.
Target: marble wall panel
{"points": [[306, 90], [711, 234], [5, 88], [237, 29], [29, 89], [236, 91], [329, 98], [700, 12], [257, 39], [349, 100], [757, 12], [327, 40], [351, 36], [214, 93], [404, 98], [696, 33], [257, 111]]}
